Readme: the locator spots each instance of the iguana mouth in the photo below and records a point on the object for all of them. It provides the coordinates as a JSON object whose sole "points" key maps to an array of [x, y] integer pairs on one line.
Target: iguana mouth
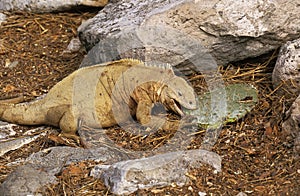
{"points": [[176, 107]]}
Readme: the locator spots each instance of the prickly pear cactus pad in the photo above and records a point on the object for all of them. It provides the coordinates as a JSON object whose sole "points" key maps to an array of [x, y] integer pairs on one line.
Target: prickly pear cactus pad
{"points": [[214, 111]]}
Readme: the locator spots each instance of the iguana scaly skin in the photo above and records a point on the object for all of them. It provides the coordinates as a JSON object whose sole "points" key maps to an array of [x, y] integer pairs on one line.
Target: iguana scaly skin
{"points": [[105, 95]]}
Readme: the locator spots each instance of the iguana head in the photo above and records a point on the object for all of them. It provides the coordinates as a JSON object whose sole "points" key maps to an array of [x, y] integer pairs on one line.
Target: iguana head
{"points": [[177, 93]]}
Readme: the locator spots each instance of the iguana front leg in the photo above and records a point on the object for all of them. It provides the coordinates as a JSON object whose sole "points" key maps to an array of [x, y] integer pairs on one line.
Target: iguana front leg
{"points": [[96, 138], [143, 115]]}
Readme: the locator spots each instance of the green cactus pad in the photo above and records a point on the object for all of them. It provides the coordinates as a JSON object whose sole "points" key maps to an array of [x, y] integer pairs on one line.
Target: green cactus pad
{"points": [[223, 105]]}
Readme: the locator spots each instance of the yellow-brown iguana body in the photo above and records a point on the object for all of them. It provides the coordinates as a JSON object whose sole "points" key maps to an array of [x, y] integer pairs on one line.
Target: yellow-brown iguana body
{"points": [[105, 95]]}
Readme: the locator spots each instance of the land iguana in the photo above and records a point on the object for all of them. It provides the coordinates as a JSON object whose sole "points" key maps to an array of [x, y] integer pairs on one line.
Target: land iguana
{"points": [[105, 95]]}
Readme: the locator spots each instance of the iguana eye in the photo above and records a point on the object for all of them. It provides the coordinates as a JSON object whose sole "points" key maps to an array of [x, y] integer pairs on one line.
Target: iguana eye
{"points": [[179, 93]]}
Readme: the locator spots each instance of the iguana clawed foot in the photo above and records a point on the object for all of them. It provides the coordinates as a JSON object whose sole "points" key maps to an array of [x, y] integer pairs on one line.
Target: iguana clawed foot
{"points": [[74, 137], [97, 137]]}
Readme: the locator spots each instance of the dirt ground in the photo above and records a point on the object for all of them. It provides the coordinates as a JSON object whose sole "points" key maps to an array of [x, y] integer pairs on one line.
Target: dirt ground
{"points": [[257, 156]]}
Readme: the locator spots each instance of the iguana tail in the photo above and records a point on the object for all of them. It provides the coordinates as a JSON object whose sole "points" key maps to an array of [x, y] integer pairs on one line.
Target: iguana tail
{"points": [[13, 100], [23, 113]]}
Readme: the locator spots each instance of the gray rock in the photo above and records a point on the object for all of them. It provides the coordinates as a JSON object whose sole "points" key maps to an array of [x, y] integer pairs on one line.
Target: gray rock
{"points": [[159, 50], [291, 125], [9, 145], [10, 64], [6, 130], [202, 193], [2, 17], [160, 170], [230, 30], [41, 6], [74, 46], [25, 180], [241, 194], [41, 167], [286, 71]]}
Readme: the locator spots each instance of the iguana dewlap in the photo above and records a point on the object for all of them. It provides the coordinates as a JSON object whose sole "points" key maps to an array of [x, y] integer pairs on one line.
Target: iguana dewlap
{"points": [[105, 95]]}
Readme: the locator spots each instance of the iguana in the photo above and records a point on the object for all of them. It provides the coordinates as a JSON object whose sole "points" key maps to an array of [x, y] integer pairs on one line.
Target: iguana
{"points": [[104, 95]]}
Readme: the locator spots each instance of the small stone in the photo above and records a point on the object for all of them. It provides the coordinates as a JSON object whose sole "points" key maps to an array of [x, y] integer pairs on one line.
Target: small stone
{"points": [[10, 64], [209, 183], [241, 194], [237, 172], [2, 18], [202, 193], [74, 46]]}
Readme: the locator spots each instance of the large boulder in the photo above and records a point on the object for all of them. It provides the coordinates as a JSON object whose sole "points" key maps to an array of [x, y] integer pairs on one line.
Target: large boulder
{"points": [[125, 177], [40, 168], [47, 5], [230, 30]]}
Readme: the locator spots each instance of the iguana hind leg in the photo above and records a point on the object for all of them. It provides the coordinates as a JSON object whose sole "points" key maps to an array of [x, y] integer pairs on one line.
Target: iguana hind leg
{"points": [[63, 117], [68, 125]]}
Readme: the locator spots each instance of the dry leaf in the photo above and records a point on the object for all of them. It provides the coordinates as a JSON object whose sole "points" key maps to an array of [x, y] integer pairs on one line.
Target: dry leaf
{"points": [[34, 93], [9, 88], [260, 189], [73, 170], [268, 129]]}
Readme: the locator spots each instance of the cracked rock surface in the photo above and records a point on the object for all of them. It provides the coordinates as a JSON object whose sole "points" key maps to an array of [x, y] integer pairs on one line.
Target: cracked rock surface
{"points": [[125, 177], [291, 125], [229, 30], [41, 167], [286, 70], [41, 6]]}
